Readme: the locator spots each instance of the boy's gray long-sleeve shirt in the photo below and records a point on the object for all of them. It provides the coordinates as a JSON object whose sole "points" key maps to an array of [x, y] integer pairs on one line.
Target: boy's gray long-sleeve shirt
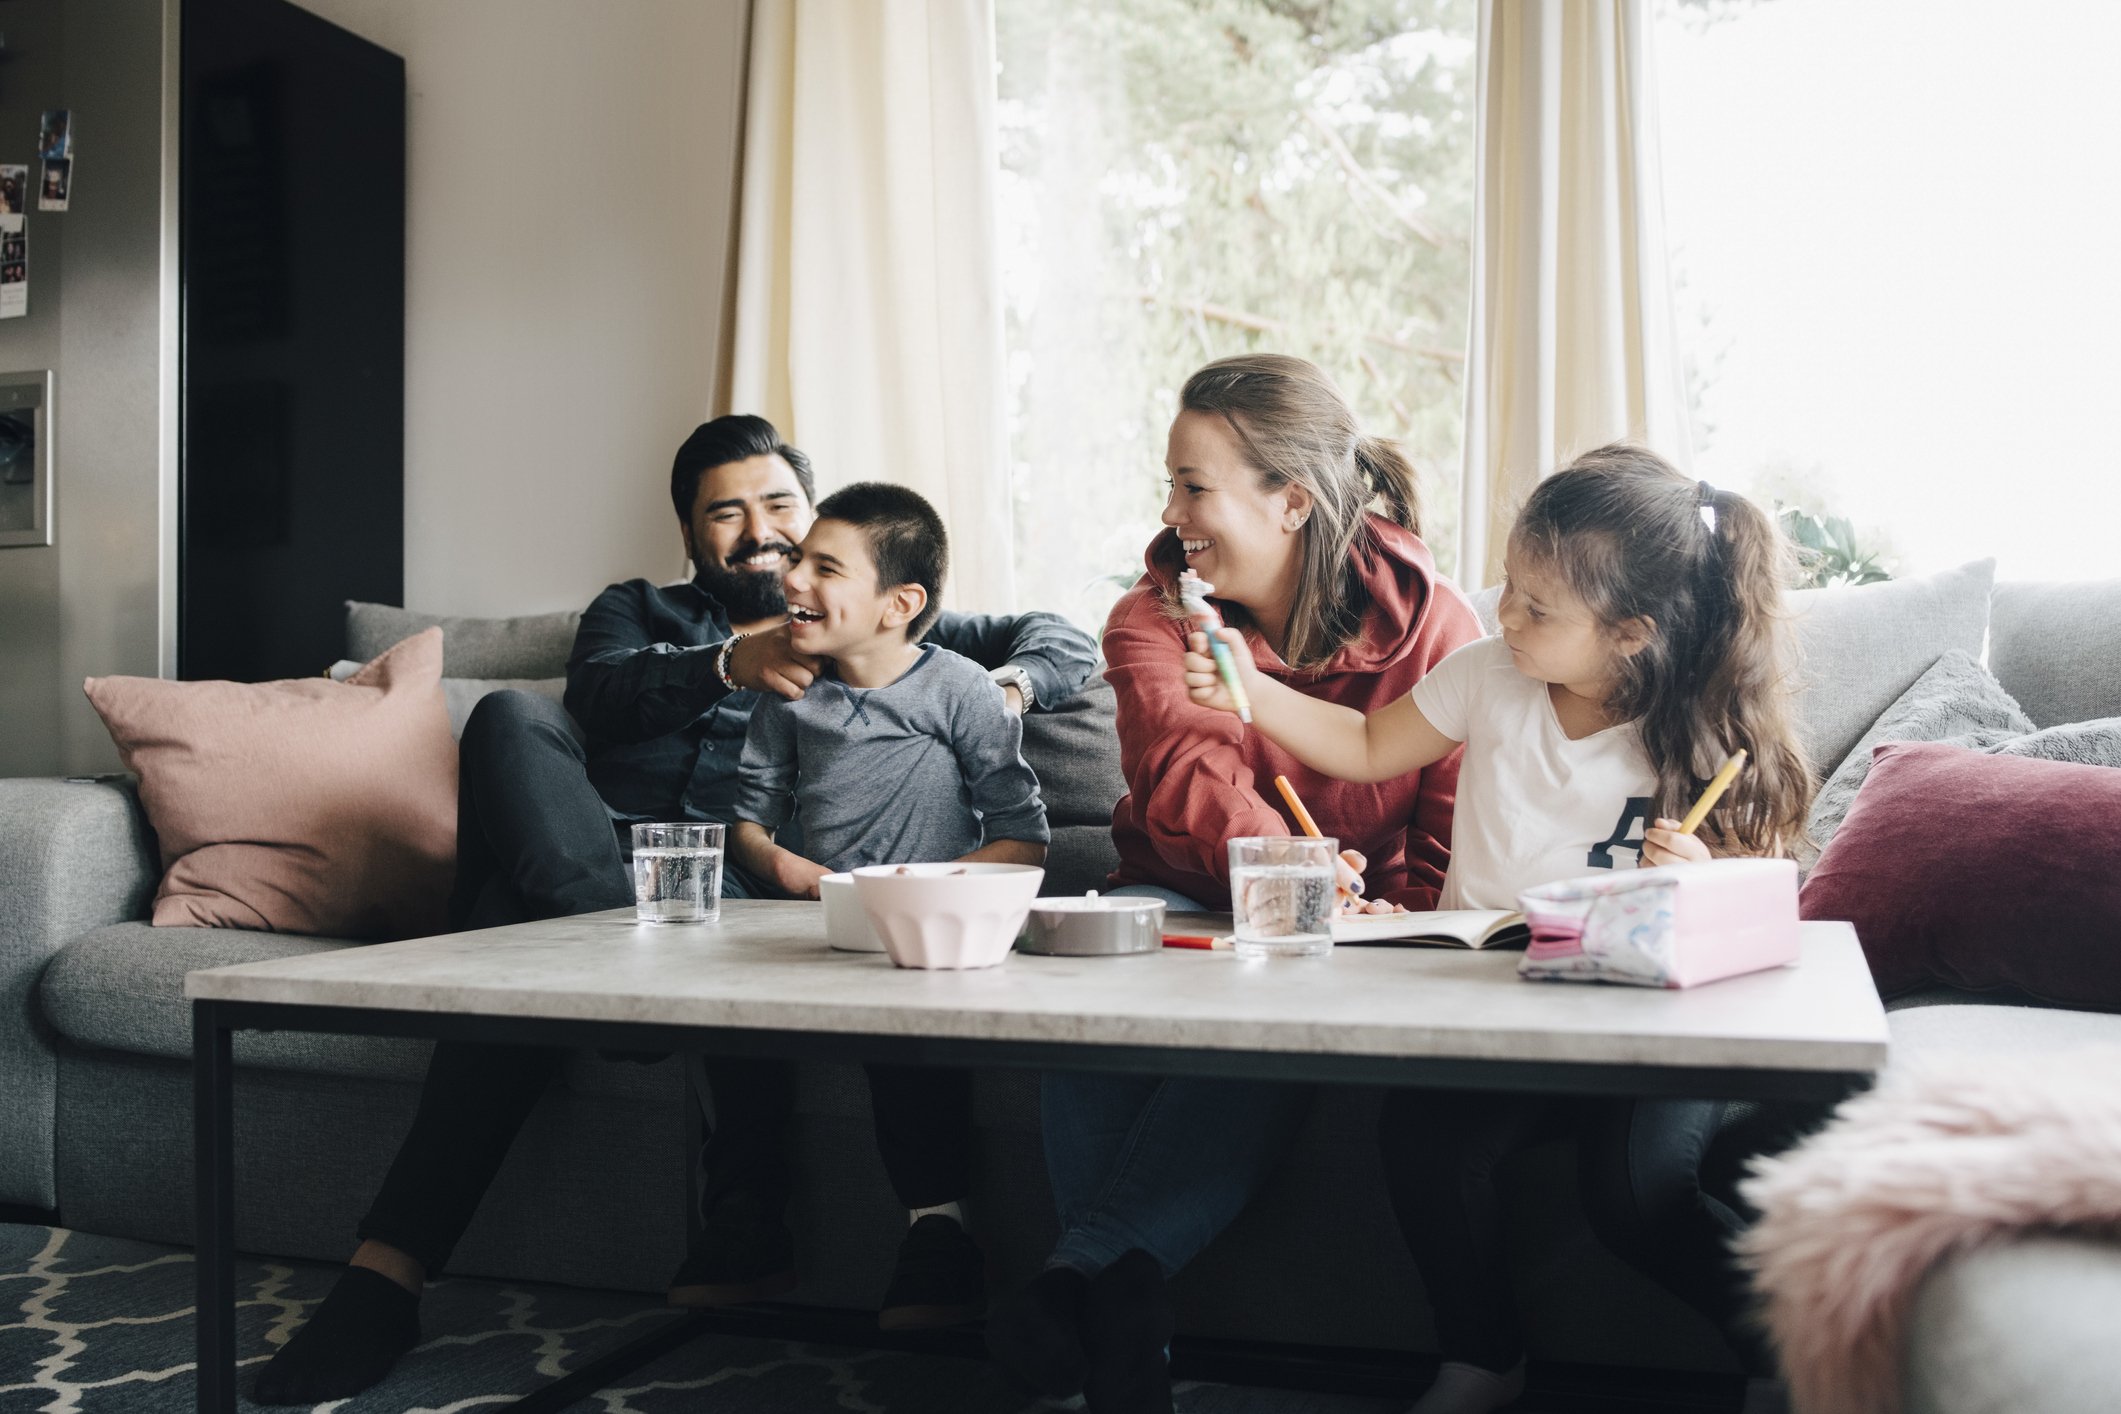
{"points": [[925, 769]]}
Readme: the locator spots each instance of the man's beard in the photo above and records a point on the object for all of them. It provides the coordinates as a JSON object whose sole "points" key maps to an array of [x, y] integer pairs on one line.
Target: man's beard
{"points": [[747, 595]]}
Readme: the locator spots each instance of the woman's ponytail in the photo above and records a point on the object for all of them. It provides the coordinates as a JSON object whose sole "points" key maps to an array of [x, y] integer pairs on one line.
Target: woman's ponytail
{"points": [[1386, 468]]}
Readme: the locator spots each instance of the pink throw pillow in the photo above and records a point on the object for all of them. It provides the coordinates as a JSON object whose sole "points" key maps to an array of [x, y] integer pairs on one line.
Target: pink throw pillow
{"points": [[1980, 872], [306, 806]]}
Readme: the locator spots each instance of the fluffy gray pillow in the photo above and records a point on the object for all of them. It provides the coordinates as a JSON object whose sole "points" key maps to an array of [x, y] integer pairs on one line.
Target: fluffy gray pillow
{"points": [[1956, 700], [2096, 743]]}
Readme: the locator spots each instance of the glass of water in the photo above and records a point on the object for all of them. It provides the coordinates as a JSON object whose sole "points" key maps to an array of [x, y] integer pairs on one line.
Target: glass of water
{"points": [[677, 873], [1281, 889]]}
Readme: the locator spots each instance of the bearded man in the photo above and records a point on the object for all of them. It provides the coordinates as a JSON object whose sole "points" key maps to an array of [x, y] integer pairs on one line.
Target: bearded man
{"points": [[662, 682]]}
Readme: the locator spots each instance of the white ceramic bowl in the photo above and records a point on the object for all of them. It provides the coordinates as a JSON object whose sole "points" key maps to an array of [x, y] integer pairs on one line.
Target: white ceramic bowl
{"points": [[846, 924], [948, 915]]}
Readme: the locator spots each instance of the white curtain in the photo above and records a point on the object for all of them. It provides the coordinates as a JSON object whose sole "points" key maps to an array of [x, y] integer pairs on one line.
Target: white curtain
{"points": [[1572, 343], [868, 304]]}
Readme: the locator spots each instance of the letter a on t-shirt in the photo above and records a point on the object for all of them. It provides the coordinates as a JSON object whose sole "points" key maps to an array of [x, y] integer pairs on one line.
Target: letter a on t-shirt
{"points": [[1601, 856]]}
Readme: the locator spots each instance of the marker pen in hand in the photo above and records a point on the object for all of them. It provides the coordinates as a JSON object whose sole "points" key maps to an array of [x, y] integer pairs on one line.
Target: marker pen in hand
{"points": [[1193, 592]]}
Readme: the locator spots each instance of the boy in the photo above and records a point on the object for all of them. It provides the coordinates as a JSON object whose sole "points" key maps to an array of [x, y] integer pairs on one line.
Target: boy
{"points": [[900, 752]]}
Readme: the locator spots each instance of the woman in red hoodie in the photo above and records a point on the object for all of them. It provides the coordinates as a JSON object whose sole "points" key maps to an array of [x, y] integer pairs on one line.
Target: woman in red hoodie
{"points": [[1273, 497]]}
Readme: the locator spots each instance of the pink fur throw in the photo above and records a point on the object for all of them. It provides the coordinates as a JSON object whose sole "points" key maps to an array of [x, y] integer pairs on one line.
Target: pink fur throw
{"points": [[1944, 1155]]}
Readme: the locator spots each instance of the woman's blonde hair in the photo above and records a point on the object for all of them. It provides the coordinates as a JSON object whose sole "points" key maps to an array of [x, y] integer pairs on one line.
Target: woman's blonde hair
{"points": [[1297, 429]]}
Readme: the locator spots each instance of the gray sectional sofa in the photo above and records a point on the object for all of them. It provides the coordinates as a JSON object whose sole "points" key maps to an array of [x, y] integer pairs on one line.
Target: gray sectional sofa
{"points": [[95, 1046]]}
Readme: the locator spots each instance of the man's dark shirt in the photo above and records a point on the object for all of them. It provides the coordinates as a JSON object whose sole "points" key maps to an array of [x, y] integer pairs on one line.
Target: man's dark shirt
{"points": [[665, 735]]}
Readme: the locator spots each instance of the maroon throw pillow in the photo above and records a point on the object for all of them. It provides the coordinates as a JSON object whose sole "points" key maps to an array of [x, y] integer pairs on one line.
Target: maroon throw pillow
{"points": [[1980, 872]]}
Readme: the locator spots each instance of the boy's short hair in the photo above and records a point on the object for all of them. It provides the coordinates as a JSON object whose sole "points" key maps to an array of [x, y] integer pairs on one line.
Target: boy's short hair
{"points": [[905, 537]]}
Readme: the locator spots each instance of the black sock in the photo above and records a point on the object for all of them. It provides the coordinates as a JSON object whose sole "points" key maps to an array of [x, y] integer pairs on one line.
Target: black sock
{"points": [[1033, 1333], [1126, 1329], [356, 1335]]}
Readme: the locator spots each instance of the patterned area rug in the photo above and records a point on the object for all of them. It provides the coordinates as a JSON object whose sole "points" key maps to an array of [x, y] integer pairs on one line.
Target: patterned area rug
{"points": [[102, 1325]]}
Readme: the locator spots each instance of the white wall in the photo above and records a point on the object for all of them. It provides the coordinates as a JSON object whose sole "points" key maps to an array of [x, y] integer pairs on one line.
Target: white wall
{"points": [[572, 179]]}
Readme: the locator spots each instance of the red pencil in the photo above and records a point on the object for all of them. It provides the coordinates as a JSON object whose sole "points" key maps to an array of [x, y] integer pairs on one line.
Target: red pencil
{"points": [[1185, 940]]}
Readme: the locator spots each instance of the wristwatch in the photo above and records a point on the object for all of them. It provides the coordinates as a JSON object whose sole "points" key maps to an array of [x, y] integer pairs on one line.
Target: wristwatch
{"points": [[1010, 675]]}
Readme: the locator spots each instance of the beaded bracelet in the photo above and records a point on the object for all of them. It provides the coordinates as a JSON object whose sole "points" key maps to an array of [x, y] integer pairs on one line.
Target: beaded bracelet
{"points": [[721, 660]]}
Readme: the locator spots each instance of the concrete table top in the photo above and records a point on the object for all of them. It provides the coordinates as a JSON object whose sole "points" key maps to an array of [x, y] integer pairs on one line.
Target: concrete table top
{"points": [[765, 966]]}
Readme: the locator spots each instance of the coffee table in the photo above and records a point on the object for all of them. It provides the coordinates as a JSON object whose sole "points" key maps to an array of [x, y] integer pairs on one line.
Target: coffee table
{"points": [[762, 982]]}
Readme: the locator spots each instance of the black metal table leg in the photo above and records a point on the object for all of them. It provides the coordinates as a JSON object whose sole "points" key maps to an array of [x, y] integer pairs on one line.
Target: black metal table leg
{"points": [[214, 1238]]}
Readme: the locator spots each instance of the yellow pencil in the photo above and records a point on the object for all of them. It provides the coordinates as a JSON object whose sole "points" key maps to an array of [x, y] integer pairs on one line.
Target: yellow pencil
{"points": [[1714, 793]]}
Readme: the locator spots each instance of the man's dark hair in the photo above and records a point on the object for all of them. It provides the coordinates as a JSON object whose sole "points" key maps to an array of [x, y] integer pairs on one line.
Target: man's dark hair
{"points": [[905, 538], [725, 440]]}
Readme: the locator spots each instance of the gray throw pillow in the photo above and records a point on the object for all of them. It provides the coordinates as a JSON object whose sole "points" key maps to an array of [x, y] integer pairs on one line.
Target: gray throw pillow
{"points": [[527, 646], [1955, 700], [460, 695], [1860, 648], [1485, 602], [2057, 648], [1073, 748]]}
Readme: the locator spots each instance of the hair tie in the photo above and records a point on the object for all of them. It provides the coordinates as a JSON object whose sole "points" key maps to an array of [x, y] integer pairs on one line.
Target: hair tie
{"points": [[1705, 503]]}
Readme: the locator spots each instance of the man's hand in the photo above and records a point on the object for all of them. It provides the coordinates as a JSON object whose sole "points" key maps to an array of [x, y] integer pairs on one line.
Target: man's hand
{"points": [[1013, 700], [768, 662], [794, 875], [1663, 844]]}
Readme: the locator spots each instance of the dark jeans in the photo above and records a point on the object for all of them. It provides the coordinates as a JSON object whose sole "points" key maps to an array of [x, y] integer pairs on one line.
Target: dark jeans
{"points": [[1158, 1164], [535, 841], [1639, 1171]]}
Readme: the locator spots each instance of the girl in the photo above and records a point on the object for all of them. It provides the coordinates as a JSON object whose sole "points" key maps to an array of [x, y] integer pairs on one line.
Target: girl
{"points": [[1641, 645]]}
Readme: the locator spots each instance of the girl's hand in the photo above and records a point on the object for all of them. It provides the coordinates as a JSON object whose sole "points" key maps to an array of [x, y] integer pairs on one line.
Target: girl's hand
{"points": [[1662, 844], [1203, 683], [1349, 868]]}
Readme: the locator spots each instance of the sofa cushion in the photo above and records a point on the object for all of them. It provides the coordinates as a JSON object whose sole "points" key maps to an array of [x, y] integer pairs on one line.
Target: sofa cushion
{"points": [[527, 646], [460, 695], [1956, 701], [304, 806], [1074, 750], [1980, 872], [121, 988], [1945, 1030], [2057, 649], [1861, 647], [2019, 1325]]}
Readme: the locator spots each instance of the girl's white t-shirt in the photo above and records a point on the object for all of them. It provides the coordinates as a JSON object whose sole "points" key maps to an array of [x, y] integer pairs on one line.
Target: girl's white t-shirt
{"points": [[1533, 806]]}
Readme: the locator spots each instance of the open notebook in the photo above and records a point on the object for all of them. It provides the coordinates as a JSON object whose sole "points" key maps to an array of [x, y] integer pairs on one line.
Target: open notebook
{"points": [[1454, 928]]}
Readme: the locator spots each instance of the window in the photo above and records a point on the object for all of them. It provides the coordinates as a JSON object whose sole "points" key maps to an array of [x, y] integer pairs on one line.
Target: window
{"points": [[1891, 231], [1186, 179]]}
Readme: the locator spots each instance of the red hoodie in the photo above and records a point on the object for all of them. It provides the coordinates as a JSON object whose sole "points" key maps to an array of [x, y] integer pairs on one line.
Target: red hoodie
{"points": [[1198, 778]]}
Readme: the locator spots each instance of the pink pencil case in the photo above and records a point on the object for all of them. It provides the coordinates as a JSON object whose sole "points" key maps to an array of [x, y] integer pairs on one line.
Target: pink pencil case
{"points": [[1678, 926]]}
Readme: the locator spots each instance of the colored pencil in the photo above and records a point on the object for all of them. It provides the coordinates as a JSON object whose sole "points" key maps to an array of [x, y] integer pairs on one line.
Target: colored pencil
{"points": [[1184, 940], [1714, 793], [1296, 808]]}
